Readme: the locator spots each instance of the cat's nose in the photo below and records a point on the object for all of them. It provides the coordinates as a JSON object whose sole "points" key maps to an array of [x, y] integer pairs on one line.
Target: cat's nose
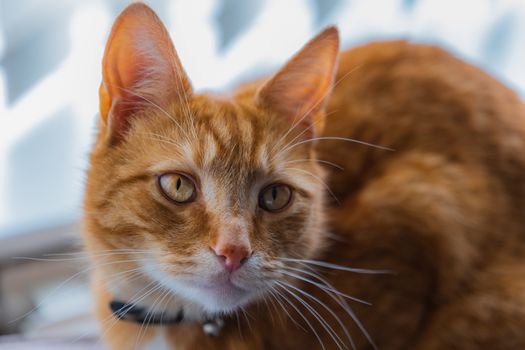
{"points": [[232, 256]]}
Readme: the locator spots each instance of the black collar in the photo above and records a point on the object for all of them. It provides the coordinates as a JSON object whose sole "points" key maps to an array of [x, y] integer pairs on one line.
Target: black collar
{"points": [[136, 314], [133, 313]]}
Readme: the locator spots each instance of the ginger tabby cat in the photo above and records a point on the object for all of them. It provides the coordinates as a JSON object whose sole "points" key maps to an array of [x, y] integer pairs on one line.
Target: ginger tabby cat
{"points": [[260, 220]]}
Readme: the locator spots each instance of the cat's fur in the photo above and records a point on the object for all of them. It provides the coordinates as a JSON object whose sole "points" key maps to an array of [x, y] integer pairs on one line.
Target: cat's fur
{"points": [[443, 210]]}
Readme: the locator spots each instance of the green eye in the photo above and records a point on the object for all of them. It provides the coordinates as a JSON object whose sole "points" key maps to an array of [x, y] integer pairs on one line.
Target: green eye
{"points": [[275, 197], [177, 187]]}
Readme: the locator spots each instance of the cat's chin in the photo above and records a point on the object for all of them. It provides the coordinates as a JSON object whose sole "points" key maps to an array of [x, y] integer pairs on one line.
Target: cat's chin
{"points": [[224, 298], [213, 298], [217, 296]]}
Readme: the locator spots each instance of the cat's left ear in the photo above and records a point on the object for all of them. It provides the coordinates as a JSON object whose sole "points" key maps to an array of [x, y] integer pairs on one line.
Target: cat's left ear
{"points": [[140, 68], [299, 90]]}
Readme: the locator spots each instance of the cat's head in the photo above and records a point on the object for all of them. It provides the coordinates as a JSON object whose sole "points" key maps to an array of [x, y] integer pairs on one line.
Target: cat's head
{"points": [[204, 195]]}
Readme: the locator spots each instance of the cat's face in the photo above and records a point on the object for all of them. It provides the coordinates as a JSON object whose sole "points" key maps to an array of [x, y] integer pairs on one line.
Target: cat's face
{"points": [[205, 196]]}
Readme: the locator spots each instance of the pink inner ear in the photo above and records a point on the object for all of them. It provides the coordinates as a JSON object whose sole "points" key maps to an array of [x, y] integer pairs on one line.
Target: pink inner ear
{"points": [[140, 67], [301, 88]]}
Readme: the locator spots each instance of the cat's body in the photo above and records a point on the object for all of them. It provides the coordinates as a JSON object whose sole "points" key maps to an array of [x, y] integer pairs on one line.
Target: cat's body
{"points": [[441, 209], [445, 209]]}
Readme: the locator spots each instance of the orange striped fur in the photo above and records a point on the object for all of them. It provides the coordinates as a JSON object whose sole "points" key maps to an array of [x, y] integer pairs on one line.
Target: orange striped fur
{"points": [[440, 205]]}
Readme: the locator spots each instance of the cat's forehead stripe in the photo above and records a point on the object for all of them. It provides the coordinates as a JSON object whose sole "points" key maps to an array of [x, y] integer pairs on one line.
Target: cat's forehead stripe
{"points": [[262, 157], [229, 136], [209, 151]]}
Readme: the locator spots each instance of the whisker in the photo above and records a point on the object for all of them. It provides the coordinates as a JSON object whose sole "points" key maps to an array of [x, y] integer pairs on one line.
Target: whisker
{"points": [[161, 138], [277, 298], [245, 314], [111, 316], [294, 124], [335, 337], [265, 300], [62, 284], [337, 138], [334, 315], [77, 256], [338, 267], [320, 180], [97, 252], [344, 305], [315, 160], [239, 324], [302, 316], [333, 290], [154, 105], [149, 317]]}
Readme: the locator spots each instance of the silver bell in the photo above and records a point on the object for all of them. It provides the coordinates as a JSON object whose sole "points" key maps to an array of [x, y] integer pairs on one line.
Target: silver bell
{"points": [[213, 327]]}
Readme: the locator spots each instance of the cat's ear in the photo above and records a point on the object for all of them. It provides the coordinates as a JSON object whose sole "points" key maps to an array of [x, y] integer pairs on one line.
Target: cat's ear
{"points": [[299, 90], [140, 67]]}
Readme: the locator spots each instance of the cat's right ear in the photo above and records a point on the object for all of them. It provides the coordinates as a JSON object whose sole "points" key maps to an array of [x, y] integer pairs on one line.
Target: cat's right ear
{"points": [[140, 68]]}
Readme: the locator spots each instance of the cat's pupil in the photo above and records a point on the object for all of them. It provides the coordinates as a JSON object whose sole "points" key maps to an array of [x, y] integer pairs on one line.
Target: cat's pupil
{"points": [[178, 184], [274, 193]]}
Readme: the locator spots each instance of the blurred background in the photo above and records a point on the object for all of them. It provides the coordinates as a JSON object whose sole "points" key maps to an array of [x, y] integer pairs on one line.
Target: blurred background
{"points": [[50, 55]]}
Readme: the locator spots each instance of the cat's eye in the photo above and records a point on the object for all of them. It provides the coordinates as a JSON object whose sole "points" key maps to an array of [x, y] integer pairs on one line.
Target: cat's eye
{"points": [[275, 197], [177, 187]]}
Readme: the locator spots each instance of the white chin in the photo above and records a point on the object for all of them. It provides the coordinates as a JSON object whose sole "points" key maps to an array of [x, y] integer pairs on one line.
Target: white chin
{"points": [[215, 298], [223, 299], [211, 297]]}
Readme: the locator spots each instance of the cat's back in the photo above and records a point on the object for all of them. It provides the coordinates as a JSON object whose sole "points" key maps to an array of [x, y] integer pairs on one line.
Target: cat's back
{"points": [[455, 172], [421, 100], [444, 206]]}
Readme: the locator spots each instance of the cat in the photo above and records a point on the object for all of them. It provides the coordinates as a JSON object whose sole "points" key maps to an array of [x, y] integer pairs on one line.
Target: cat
{"points": [[369, 199]]}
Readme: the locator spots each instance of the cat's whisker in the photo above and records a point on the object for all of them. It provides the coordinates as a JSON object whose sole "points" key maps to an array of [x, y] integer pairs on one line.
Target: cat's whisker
{"points": [[302, 316], [122, 276], [161, 138], [149, 316], [29, 258], [327, 308], [78, 258], [168, 297], [338, 267], [125, 308], [326, 326], [337, 138], [136, 298], [270, 311], [312, 125], [65, 282], [184, 97], [305, 115], [340, 301], [165, 141], [320, 181], [239, 324], [172, 118], [79, 255], [314, 160], [324, 287], [111, 317], [96, 252], [277, 297], [274, 300], [246, 316]]}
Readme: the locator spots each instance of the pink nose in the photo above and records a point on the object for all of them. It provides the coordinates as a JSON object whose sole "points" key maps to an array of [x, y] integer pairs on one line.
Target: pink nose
{"points": [[232, 256]]}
